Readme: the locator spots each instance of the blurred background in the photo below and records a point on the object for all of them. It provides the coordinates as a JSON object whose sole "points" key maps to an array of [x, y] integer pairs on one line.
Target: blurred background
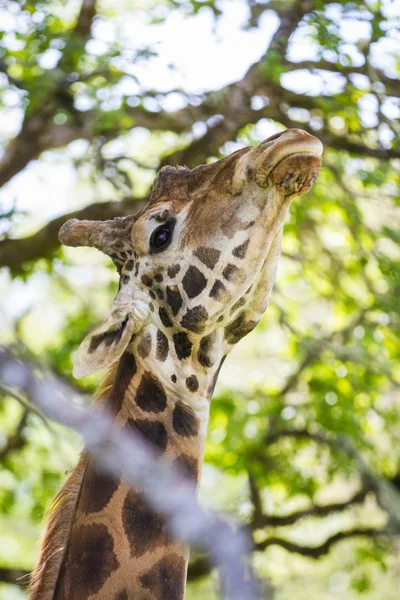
{"points": [[304, 435]]}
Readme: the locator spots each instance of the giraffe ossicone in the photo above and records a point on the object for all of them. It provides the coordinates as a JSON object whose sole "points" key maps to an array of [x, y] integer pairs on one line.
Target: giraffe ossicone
{"points": [[196, 267]]}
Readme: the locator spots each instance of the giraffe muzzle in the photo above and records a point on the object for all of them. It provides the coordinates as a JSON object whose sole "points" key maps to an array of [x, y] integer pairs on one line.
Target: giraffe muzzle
{"points": [[293, 155]]}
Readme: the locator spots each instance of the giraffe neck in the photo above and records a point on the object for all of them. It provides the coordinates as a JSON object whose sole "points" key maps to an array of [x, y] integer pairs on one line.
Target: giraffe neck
{"points": [[118, 547]]}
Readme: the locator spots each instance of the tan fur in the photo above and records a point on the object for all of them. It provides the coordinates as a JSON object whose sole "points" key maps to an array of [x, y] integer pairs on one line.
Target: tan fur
{"points": [[105, 386], [60, 517]]}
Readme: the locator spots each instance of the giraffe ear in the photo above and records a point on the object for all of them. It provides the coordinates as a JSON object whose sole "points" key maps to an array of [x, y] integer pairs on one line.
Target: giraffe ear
{"points": [[104, 345]]}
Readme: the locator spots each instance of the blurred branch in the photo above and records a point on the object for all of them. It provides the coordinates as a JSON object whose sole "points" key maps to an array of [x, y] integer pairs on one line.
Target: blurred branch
{"points": [[163, 487], [314, 511], [85, 18], [7, 391], [199, 567], [255, 496], [14, 576], [17, 440], [323, 549], [392, 85]]}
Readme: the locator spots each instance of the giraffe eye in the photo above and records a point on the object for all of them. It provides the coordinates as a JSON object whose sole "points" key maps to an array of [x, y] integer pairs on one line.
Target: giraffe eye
{"points": [[161, 237]]}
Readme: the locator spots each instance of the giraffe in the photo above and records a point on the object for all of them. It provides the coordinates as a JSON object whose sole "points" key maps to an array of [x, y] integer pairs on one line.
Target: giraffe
{"points": [[196, 268]]}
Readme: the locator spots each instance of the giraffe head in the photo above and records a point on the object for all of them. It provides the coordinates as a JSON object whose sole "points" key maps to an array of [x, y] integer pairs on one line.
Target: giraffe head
{"points": [[200, 259]]}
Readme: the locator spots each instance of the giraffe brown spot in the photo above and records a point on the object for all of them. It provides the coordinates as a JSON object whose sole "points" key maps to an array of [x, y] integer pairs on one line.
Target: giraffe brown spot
{"points": [[150, 395], [173, 378], [144, 528], [162, 346], [205, 353], [166, 579], [129, 265], [174, 299], [193, 282], [240, 251], [108, 337], [195, 319], [159, 278], [126, 279], [183, 346], [248, 225], [94, 560], [97, 489], [184, 420], [165, 320], [152, 432], [188, 466], [192, 383], [160, 293], [218, 291], [151, 305], [173, 270], [208, 256], [237, 305], [239, 328], [230, 272], [126, 370], [152, 294], [146, 280], [137, 269], [144, 346], [231, 224], [121, 595]]}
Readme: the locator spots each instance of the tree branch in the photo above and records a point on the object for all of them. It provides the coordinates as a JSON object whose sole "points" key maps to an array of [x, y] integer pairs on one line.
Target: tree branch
{"points": [[17, 440], [14, 576], [14, 253], [199, 567], [314, 511], [255, 497], [323, 549], [392, 85], [85, 18]]}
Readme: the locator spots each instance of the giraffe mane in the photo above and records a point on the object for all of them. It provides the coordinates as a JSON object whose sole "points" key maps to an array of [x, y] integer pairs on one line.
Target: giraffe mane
{"points": [[60, 517], [53, 544]]}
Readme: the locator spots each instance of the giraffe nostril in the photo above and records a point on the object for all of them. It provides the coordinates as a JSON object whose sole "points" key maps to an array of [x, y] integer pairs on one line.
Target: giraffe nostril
{"points": [[274, 137]]}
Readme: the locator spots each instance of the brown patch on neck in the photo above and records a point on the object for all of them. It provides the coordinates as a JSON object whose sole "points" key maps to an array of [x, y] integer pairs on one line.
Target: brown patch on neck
{"points": [[117, 382]]}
